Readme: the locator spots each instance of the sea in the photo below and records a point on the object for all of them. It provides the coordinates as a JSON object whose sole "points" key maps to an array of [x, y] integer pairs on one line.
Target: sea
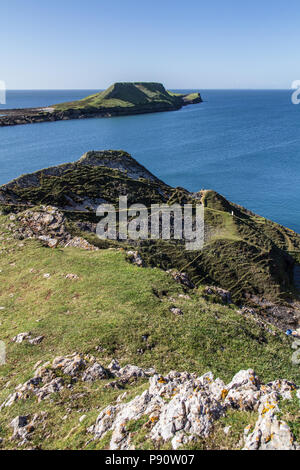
{"points": [[245, 144]]}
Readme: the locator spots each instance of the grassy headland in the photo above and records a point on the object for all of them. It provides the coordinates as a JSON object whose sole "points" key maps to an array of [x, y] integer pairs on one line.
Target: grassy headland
{"points": [[98, 303], [120, 99]]}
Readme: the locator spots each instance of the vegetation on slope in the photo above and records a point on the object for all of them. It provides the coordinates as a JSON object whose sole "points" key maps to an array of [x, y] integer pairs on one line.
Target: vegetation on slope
{"points": [[244, 253], [115, 305], [131, 95]]}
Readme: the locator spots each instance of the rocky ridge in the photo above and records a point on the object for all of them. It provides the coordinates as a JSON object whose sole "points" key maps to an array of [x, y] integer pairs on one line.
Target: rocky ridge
{"points": [[48, 226], [182, 407], [65, 371], [179, 408]]}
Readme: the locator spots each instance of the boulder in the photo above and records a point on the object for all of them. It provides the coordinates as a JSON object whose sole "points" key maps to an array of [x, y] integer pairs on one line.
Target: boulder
{"points": [[225, 295]]}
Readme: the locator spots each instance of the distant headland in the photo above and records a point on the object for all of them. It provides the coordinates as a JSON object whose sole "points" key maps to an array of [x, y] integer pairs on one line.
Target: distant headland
{"points": [[120, 99]]}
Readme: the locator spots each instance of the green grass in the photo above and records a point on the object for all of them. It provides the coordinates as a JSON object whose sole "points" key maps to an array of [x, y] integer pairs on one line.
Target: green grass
{"points": [[243, 253], [233, 440], [129, 95], [290, 413], [113, 304]]}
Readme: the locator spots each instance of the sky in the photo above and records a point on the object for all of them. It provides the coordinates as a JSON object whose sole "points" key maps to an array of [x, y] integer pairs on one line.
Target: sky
{"points": [[191, 44]]}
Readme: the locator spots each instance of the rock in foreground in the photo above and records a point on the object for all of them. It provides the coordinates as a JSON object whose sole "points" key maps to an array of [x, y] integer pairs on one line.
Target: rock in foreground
{"points": [[182, 408]]}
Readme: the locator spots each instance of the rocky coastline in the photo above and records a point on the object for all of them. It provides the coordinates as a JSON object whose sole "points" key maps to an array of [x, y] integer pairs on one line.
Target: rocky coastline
{"points": [[13, 117]]}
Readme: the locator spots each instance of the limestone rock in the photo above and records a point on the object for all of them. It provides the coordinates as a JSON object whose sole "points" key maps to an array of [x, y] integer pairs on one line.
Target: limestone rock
{"points": [[176, 311], [181, 278], [52, 377], [270, 434], [225, 295], [27, 337], [182, 407], [36, 340], [21, 337], [47, 224], [135, 258]]}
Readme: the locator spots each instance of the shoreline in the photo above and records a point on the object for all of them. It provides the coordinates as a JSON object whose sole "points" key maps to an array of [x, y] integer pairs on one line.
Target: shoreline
{"points": [[22, 116]]}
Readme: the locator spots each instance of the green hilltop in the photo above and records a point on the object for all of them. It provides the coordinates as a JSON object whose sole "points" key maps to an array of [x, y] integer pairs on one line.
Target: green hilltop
{"points": [[132, 95], [120, 99]]}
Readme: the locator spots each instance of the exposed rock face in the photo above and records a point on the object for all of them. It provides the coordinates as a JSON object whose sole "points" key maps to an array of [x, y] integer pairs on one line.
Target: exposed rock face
{"points": [[27, 337], [135, 258], [96, 171], [117, 160], [21, 337], [48, 226], [181, 278], [20, 427], [24, 426], [254, 268], [182, 407], [176, 311], [67, 370], [270, 434], [225, 295], [178, 408]]}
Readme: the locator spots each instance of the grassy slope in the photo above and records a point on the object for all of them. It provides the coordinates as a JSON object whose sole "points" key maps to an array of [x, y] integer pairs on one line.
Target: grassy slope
{"points": [[128, 95], [243, 253], [111, 295]]}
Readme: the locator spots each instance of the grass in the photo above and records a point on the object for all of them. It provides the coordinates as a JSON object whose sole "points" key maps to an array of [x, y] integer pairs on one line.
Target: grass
{"points": [[237, 420], [129, 95], [243, 253], [290, 413], [113, 304]]}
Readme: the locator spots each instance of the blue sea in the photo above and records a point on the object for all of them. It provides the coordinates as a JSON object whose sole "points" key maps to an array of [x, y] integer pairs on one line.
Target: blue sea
{"points": [[244, 144]]}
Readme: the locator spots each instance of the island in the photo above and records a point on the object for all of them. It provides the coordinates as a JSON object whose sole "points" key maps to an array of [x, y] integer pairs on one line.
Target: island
{"points": [[120, 99]]}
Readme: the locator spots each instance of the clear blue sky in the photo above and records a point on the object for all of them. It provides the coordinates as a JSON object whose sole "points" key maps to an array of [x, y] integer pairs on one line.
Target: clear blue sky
{"points": [[184, 44]]}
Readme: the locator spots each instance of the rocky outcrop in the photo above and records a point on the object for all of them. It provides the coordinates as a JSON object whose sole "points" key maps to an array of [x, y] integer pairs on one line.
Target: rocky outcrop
{"points": [[224, 295], [181, 278], [182, 407], [135, 258], [24, 426], [254, 268], [21, 337], [48, 225], [179, 408], [65, 371]]}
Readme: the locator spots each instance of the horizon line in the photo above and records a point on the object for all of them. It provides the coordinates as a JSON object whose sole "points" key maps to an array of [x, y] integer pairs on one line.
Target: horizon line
{"points": [[169, 88]]}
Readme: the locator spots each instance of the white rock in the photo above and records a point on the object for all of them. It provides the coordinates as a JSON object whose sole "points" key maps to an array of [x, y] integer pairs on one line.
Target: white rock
{"points": [[21, 337]]}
